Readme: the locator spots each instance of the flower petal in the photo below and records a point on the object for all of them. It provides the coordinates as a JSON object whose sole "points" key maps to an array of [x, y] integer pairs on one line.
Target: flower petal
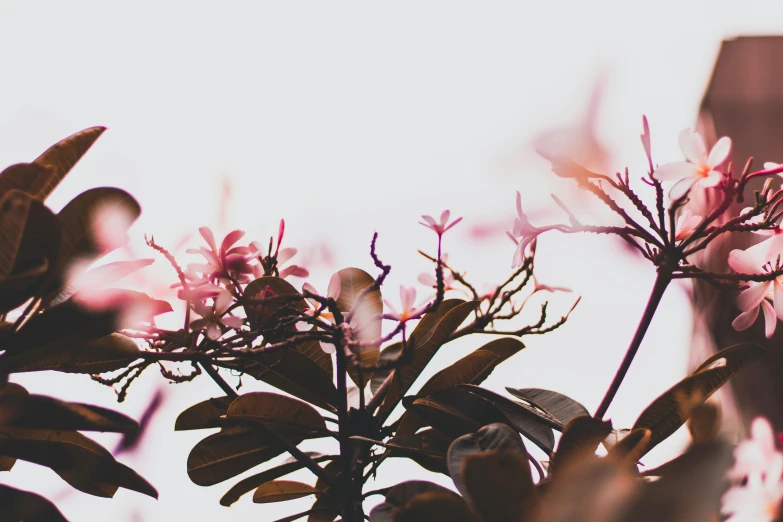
{"points": [[427, 279], [693, 147], [231, 238], [682, 187], [285, 254], [770, 321], [223, 301], [712, 179], [753, 296], [209, 237], [214, 332], [745, 320], [233, 322], [742, 262], [675, 171], [444, 217], [335, 286], [719, 153]]}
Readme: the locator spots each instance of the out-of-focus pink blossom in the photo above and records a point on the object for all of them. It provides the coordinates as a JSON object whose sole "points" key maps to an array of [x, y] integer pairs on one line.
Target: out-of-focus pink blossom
{"points": [[408, 301], [686, 224], [429, 279], [700, 169], [213, 319], [523, 234], [224, 263], [111, 225], [760, 464], [443, 226], [767, 295], [646, 142]]}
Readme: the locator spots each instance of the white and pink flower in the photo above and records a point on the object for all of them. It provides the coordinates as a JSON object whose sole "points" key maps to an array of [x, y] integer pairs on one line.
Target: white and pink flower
{"points": [[700, 169], [214, 320], [408, 302], [764, 295], [443, 225]]}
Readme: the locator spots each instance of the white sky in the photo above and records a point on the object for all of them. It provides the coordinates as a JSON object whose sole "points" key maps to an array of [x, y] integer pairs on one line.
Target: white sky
{"points": [[350, 117]]}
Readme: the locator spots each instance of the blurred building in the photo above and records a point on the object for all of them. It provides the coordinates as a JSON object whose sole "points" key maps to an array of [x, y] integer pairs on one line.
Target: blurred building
{"points": [[743, 100]]}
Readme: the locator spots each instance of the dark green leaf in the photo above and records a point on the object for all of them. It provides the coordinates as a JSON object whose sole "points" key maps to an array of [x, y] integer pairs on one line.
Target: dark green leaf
{"points": [[560, 406], [205, 414], [580, 439], [429, 335], [229, 453], [23, 506], [670, 410], [249, 484], [294, 373]]}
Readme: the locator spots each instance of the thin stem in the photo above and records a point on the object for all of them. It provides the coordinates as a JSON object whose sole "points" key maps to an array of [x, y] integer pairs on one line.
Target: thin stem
{"points": [[662, 280], [346, 488], [212, 372]]}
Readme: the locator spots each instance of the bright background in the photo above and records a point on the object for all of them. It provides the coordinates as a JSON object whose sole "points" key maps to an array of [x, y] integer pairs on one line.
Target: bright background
{"points": [[347, 118]]}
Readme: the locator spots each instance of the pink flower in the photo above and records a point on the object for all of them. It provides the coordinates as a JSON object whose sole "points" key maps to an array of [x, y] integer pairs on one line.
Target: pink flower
{"points": [[443, 226], [266, 267], [767, 295], [408, 300], [523, 234], [646, 141], [686, 224], [758, 461], [224, 263], [699, 170], [214, 320], [429, 279]]}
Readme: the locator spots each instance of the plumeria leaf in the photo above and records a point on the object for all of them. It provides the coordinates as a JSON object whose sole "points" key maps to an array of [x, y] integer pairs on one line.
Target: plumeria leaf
{"points": [[205, 414], [18, 288], [430, 334], [282, 490], [81, 462], [670, 410], [105, 354], [43, 412], [294, 373], [266, 308], [6, 463], [25, 506], [499, 486], [434, 505], [560, 406], [13, 399], [249, 484], [313, 351], [580, 439], [229, 453], [427, 448], [367, 317], [398, 496], [443, 417], [279, 411]]}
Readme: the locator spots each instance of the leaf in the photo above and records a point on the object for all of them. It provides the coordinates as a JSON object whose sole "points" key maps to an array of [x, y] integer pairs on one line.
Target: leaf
{"points": [[427, 448], [265, 315], [430, 506], [500, 486], [18, 288], [429, 335], [24, 177], [6, 463], [629, 449], [13, 399], [670, 410], [388, 355], [580, 439], [492, 437], [398, 496], [14, 209], [282, 490], [560, 406], [325, 507], [105, 354], [442, 417], [60, 158], [313, 351], [205, 414], [367, 317], [229, 453], [294, 373], [293, 416], [77, 459], [43, 412], [254, 481], [23, 506], [538, 430]]}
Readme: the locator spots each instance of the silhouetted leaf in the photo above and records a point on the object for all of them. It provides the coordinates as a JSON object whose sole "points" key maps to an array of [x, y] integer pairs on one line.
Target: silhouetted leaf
{"points": [[77, 459], [429, 335], [15, 206], [325, 507], [398, 496], [43, 412], [265, 313], [433, 505], [427, 448], [367, 317], [560, 406], [313, 351], [282, 490], [229, 453], [105, 354], [291, 415], [445, 418], [23, 506], [294, 373], [489, 438], [630, 447], [18, 288], [524, 420], [670, 410], [471, 369], [205, 414], [24, 177], [499, 485], [6, 463], [249, 484], [60, 158], [580, 439], [13, 399], [389, 354]]}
